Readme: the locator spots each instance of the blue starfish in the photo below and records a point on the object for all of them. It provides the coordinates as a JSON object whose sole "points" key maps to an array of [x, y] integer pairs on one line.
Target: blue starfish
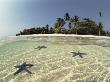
{"points": [[22, 67], [78, 54], [40, 47]]}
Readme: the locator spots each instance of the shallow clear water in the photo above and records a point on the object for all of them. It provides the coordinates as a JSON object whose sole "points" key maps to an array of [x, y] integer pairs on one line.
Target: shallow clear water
{"points": [[54, 63]]}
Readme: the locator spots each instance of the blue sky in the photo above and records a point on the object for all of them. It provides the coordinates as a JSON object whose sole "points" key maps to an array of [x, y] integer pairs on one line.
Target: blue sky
{"points": [[15, 15]]}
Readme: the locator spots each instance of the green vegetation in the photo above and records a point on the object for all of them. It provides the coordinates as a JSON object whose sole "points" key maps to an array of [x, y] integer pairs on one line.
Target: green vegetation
{"points": [[85, 26]]}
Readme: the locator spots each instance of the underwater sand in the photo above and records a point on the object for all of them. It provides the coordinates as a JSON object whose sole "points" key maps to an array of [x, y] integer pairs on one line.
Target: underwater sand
{"points": [[54, 63]]}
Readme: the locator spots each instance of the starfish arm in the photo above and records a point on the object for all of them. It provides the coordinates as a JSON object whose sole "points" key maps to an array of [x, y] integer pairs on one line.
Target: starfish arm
{"points": [[29, 65], [81, 56], [27, 71], [39, 48], [73, 52], [45, 47], [74, 55], [18, 71]]}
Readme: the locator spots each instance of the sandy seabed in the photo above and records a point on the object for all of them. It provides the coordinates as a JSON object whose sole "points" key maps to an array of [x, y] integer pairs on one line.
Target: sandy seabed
{"points": [[54, 63]]}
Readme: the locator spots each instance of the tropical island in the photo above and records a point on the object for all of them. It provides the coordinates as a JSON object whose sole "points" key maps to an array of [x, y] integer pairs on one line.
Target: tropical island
{"points": [[70, 25]]}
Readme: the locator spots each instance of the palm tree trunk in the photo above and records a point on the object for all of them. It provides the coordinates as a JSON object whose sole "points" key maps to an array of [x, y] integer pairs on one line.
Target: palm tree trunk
{"points": [[99, 32], [76, 28], [76, 31]]}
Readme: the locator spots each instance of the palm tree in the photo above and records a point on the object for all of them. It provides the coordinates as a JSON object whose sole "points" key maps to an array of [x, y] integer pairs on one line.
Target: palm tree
{"points": [[47, 28], [100, 27], [89, 26], [107, 33], [51, 31], [59, 24], [66, 17], [69, 25], [76, 20], [67, 20]]}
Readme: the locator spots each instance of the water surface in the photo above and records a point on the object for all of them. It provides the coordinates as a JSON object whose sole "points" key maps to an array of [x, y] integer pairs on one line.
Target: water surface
{"points": [[55, 63]]}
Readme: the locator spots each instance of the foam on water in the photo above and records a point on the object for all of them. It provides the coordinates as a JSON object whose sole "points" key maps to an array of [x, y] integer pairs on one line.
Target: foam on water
{"points": [[54, 63]]}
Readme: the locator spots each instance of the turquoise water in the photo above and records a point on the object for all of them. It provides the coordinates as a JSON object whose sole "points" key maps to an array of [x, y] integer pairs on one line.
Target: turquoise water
{"points": [[54, 63]]}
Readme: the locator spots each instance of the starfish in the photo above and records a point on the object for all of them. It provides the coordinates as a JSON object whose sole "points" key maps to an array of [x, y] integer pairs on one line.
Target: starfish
{"points": [[40, 47], [22, 67], [78, 54]]}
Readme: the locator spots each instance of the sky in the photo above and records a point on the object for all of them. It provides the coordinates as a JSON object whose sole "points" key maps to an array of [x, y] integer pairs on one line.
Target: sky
{"points": [[16, 15]]}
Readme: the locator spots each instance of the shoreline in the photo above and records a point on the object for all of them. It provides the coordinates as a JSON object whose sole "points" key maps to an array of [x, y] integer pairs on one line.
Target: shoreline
{"points": [[73, 35]]}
